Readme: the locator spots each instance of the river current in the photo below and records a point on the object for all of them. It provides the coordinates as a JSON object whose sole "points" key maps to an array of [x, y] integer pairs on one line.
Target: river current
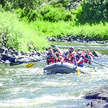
{"points": [[30, 88]]}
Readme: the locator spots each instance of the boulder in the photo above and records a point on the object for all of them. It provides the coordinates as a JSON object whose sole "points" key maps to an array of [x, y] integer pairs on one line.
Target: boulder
{"points": [[52, 39], [96, 103], [99, 93], [97, 54], [99, 96], [1, 50]]}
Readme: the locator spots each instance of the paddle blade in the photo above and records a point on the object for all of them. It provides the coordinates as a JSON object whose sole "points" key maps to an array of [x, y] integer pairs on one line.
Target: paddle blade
{"points": [[95, 70], [78, 71], [30, 65]]}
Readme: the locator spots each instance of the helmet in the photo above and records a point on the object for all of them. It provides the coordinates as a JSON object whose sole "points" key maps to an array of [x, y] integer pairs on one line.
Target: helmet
{"points": [[79, 52]]}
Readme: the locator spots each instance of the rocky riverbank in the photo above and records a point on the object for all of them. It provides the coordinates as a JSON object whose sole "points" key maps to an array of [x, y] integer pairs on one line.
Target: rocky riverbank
{"points": [[76, 39], [99, 97], [18, 57], [14, 57]]}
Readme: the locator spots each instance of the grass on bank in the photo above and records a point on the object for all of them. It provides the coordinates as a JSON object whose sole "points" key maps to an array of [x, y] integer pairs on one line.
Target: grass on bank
{"points": [[20, 33], [62, 28]]}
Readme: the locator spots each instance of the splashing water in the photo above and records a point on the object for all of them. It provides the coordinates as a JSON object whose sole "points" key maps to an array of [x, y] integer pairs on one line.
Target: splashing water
{"points": [[30, 88]]}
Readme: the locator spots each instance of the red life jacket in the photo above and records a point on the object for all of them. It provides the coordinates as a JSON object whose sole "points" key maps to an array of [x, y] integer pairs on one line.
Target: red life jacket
{"points": [[51, 59], [70, 56], [87, 61], [81, 62], [59, 59]]}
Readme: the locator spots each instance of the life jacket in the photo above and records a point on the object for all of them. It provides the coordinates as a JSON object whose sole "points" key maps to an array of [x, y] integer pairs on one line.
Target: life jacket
{"points": [[60, 58], [87, 57], [69, 54], [81, 62], [51, 59], [70, 59]]}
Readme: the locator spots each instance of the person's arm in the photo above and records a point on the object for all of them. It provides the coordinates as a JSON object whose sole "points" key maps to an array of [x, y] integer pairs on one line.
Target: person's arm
{"points": [[62, 59], [81, 58], [91, 57], [66, 53], [48, 54], [54, 55], [74, 54]]}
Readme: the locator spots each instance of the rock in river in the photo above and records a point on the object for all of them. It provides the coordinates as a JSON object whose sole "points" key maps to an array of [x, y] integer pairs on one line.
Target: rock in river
{"points": [[99, 96]]}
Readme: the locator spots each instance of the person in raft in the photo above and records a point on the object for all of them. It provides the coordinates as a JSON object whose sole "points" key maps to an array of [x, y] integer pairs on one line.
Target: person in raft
{"points": [[69, 56], [80, 59], [88, 56], [51, 57], [82, 52], [59, 55]]}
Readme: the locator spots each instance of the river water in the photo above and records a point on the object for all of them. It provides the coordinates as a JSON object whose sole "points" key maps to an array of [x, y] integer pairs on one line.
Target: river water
{"points": [[30, 88]]}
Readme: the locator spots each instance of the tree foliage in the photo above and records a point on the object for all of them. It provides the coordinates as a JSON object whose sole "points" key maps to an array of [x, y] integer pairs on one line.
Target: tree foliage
{"points": [[93, 11], [29, 4], [89, 11], [63, 2], [46, 13], [52, 14]]}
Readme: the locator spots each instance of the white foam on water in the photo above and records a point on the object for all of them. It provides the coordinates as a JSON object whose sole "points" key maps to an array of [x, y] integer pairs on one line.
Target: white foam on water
{"points": [[58, 83], [50, 83], [30, 88], [45, 99], [1, 84]]}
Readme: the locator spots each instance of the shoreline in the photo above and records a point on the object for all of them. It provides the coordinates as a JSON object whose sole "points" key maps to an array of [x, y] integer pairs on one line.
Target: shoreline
{"points": [[33, 56], [78, 40]]}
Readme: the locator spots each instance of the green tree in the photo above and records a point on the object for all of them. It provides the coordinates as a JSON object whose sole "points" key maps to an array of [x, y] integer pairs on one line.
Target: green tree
{"points": [[93, 11], [29, 4]]}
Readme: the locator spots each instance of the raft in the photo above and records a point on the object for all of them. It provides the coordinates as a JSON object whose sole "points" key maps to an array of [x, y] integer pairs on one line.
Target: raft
{"points": [[63, 68]]}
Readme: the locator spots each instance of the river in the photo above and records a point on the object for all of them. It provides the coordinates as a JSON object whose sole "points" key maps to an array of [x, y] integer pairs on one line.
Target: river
{"points": [[30, 88]]}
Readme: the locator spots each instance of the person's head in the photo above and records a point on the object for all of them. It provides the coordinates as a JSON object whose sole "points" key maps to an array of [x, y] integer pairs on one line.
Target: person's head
{"points": [[88, 51], [51, 51], [79, 49], [71, 49], [79, 53], [85, 50]]}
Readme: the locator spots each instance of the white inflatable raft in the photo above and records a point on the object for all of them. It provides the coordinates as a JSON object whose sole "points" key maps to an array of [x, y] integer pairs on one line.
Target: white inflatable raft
{"points": [[64, 68]]}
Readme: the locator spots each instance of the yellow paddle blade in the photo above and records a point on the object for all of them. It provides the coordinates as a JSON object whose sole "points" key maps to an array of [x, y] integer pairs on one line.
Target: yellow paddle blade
{"points": [[30, 65], [78, 71], [95, 70]]}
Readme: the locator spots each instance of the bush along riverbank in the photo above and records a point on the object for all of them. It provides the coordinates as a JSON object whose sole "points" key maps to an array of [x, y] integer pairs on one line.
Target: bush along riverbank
{"points": [[29, 23], [24, 35]]}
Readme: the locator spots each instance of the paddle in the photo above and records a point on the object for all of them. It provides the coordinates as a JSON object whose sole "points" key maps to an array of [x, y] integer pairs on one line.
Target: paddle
{"points": [[31, 64], [91, 63], [96, 62], [93, 67], [78, 71]]}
